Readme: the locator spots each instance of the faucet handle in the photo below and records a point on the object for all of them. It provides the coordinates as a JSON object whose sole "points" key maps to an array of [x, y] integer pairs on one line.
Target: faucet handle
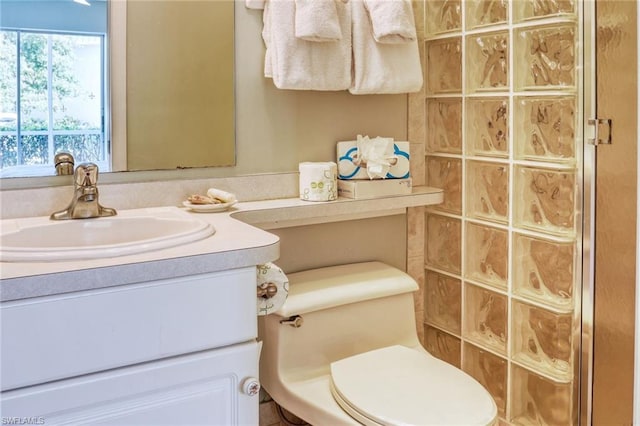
{"points": [[86, 175], [63, 162]]}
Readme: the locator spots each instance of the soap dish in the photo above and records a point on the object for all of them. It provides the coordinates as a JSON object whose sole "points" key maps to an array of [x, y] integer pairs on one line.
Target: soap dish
{"points": [[208, 208]]}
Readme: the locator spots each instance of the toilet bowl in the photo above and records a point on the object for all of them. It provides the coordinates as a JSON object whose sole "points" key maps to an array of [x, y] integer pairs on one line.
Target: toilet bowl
{"points": [[343, 350]]}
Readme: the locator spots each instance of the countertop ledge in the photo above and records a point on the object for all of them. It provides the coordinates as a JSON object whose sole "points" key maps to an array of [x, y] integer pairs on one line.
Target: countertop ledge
{"points": [[287, 212], [238, 242]]}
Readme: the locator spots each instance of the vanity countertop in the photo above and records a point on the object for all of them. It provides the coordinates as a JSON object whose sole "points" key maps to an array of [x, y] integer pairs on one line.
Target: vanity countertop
{"points": [[240, 240]]}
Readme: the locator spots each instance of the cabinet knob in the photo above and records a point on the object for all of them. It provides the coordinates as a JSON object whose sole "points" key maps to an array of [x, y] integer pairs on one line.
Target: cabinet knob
{"points": [[251, 386]]}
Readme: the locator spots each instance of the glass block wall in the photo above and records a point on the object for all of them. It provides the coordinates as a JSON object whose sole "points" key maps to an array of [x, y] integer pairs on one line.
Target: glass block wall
{"points": [[501, 297]]}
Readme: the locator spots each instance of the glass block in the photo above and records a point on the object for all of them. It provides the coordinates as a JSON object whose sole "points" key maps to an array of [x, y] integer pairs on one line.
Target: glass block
{"points": [[485, 320], [443, 16], [535, 9], [442, 345], [545, 200], [547, 58], [486, 252], [443, 301], [444, 125], [546, 128], [487, 191], [536, 400], [490, 370], [443, 243], [486, 12], [487, 62], [544, 270], [446, 173], [542, 340], [487, 126], [444, 72]]}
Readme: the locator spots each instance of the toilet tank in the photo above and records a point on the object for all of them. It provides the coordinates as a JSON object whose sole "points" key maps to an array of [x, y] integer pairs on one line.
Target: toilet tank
{"points": [[345, 310]]}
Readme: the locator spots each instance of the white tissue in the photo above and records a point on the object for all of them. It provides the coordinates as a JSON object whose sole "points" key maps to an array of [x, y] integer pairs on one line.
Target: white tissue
{"points": [[267, 274], [318, 181], [376, 155]]}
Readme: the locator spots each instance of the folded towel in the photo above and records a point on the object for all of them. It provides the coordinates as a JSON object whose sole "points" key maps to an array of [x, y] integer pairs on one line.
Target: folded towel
{"points": [[254, 4], [317, 20], [391, 20], [381, 67], [299, 64]]}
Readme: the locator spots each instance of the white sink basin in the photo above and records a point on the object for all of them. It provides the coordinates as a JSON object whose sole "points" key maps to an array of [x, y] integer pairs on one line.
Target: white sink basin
{"points": [[40, 239]]}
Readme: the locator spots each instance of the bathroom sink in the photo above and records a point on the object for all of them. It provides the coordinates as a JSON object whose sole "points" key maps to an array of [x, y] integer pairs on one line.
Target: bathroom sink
{"points": [[131, 231]]}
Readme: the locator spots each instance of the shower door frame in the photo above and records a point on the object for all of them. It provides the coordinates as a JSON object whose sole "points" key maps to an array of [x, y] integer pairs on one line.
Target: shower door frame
{"points": [[587, 189]]}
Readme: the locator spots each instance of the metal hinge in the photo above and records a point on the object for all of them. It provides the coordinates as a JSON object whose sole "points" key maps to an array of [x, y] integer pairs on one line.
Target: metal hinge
{"points": [[601, 131]]}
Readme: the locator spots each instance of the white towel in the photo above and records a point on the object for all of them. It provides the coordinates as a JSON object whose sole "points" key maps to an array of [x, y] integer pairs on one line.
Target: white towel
{"points": [[392, 21], [380, 68], [317, 20], [299, 64]]}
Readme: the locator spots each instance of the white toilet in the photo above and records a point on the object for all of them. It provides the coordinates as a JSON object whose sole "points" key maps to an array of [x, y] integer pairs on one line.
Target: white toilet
{"points": [[343, 350]]}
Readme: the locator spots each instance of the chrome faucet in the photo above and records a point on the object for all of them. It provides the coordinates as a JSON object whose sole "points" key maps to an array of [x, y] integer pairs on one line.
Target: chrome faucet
{"points": [[85, 203]]}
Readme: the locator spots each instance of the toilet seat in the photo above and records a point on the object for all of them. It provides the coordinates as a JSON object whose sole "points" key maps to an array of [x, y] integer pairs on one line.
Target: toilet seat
{"points": [[426, 390]]}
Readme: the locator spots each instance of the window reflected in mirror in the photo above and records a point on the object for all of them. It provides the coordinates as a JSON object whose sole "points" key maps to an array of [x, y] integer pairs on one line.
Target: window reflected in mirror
{"points": [[52, 85], [127, 84]]}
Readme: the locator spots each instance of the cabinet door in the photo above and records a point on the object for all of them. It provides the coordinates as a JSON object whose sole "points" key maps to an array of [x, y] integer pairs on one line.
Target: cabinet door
{"points": [[57, 337], [198, 389]]}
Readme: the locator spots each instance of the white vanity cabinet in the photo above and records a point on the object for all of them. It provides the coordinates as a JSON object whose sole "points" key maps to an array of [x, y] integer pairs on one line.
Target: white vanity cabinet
{"points": [[178, 351]]}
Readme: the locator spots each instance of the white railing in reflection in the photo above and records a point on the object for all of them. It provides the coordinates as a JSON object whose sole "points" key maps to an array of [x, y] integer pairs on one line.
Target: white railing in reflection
{"points": [[31, 152]]}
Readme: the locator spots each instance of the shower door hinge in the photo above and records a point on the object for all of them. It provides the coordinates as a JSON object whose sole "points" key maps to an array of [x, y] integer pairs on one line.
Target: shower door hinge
{"points": [[601, 134]]}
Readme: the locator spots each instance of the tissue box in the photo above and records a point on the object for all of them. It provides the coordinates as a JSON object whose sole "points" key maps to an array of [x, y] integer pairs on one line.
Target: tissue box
{"points": [[362, 189], [346, 151]]}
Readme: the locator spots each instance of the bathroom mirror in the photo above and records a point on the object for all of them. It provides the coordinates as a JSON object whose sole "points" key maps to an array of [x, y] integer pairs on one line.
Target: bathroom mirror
{"points": [[165, 71]]}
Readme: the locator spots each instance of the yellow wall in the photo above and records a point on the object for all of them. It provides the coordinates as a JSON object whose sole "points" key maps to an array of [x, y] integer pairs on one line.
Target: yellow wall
{"points": [[275, 129]]}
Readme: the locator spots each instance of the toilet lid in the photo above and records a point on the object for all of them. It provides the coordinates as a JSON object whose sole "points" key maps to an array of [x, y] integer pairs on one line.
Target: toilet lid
{"points": [[397, 385]]}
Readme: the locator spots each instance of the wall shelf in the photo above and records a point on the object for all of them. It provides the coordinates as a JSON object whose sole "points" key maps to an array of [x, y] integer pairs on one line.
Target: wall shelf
{"points": [[289, 212]]}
